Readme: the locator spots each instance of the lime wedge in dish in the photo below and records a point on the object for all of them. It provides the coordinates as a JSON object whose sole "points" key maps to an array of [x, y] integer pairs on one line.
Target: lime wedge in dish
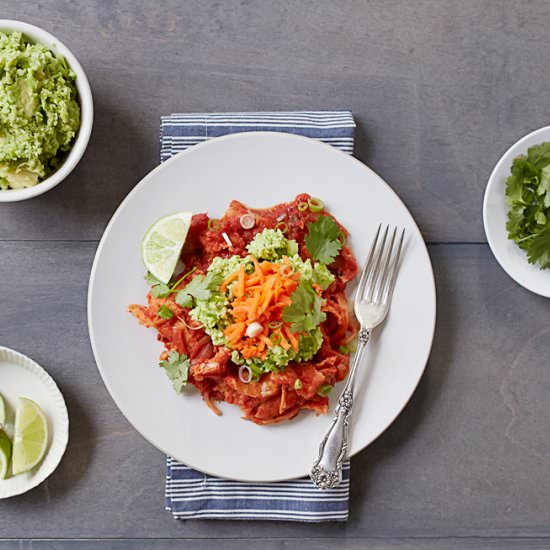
{"points": [[2, 411], [30, 440], [162, 244], [5, 454]]}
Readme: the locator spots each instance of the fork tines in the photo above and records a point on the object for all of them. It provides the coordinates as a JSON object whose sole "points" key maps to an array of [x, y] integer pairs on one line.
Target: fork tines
{"points": [[379, 273]]}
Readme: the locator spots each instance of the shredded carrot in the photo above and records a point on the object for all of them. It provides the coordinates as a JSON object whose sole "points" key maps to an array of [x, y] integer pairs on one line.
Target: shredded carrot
{"points": [[260, 297], [291, 337]]}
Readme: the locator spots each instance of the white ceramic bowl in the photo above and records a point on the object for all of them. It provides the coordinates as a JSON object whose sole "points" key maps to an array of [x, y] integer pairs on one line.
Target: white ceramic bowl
{"points": [[508, 254], [20, 376], [86, 107]]}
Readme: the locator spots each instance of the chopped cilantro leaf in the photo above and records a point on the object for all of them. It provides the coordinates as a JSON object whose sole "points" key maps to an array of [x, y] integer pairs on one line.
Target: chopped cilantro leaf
{"points": [[324, 239], [160, 291], [199, 288], [305, 310], [151, 279], [177, 369]]}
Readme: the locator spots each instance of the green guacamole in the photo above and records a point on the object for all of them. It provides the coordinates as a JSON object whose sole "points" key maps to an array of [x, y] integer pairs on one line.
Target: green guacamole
{"points": [[214, 310], [39, 111]]}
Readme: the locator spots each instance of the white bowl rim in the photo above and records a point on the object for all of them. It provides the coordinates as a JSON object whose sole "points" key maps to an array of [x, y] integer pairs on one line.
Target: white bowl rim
{"points": [[86, 108], [491, 238]]}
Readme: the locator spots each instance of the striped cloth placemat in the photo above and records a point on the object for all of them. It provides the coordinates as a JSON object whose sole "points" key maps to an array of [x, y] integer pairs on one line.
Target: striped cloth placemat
{"points": [[190, 494]]}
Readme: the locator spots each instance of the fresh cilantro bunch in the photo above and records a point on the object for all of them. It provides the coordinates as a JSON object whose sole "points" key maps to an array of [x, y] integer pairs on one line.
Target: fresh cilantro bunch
{"points": [[305, 310], [528, 194], [177, 369], [324, 239]]}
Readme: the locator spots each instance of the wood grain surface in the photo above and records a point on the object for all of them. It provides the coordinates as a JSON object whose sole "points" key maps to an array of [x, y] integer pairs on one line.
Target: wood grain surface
{"points": [[440, 88]]}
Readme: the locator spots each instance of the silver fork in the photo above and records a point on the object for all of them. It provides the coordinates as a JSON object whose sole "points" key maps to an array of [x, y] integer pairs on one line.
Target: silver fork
{"points": [[372, 302]]}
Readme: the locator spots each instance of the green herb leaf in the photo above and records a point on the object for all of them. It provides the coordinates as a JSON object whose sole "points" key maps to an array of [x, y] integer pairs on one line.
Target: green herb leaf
{"points": [[160, 291], [165, 312], [324, 390], [324, 240], [528, 194], [305, 310], [151, 279], [538, 248], [199, 288], [177, 369]]}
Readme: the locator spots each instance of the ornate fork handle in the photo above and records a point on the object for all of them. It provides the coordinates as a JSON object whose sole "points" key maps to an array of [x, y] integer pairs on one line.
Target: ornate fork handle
{"points": [[327, 469]]}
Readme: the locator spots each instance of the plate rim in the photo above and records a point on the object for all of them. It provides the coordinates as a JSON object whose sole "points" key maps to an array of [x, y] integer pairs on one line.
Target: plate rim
{"points": [[489, 189], [37, 370], [207, 143]]}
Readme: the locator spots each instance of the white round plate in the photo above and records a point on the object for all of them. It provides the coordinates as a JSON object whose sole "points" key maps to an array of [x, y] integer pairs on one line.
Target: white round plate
{"points": [[260, 169], [495, 210], [20, 376]]}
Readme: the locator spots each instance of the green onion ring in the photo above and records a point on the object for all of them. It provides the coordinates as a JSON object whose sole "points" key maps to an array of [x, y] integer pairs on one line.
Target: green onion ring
{"points": [[275, 338], [275, 324], [282, 226], [302, 206], [214, 224], [315, 204]]}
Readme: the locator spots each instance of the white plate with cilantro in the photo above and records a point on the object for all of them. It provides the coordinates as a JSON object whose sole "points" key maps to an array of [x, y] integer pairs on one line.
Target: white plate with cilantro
{"points": [[260, 169], [516, 211], [34, 411]]}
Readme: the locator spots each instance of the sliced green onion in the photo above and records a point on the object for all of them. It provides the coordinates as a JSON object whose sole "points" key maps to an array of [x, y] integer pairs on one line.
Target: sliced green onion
{"points": [[315, 204], [275, 337], [165, 312], [298, 384], [275, 324], [324, 390], [282, 226], [214, 224], [343, 349], [302, 206]]}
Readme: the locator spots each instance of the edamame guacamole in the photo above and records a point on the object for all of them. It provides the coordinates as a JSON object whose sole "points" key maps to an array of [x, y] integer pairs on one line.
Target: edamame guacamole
{"points": [[39, 111]]}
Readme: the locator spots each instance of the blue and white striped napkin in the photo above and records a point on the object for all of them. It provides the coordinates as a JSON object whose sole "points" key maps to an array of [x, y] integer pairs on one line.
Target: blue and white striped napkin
{"points": [[190, 494]]}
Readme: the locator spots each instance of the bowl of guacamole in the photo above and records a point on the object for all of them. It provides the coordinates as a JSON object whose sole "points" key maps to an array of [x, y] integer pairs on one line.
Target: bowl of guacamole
{"points": [[46, 111]]}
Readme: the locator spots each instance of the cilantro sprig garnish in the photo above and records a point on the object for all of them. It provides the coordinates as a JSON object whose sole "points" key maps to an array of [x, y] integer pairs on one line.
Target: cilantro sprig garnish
{"points": [[324, 239], [528, 194], [177, 369], [200, 288], [161, 290], [305, 310]]}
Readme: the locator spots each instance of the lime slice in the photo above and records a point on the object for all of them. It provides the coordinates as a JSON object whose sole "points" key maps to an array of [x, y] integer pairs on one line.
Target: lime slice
{"points": [[2, 411], [162, 244], [31, 436], [5, 454]]}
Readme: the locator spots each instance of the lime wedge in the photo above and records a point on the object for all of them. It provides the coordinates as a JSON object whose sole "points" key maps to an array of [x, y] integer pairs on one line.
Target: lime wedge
{"points": [[2, 411], [5, 454], [162, 244], [31, 436]]}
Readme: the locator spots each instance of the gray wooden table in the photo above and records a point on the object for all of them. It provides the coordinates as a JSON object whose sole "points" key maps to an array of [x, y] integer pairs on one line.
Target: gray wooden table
{"points": [[440, 89]]}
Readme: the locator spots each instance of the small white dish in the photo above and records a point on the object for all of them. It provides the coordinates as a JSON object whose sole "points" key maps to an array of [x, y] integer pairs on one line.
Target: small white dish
{"points": [[20, 376], [495, 209], [86, 111]]}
